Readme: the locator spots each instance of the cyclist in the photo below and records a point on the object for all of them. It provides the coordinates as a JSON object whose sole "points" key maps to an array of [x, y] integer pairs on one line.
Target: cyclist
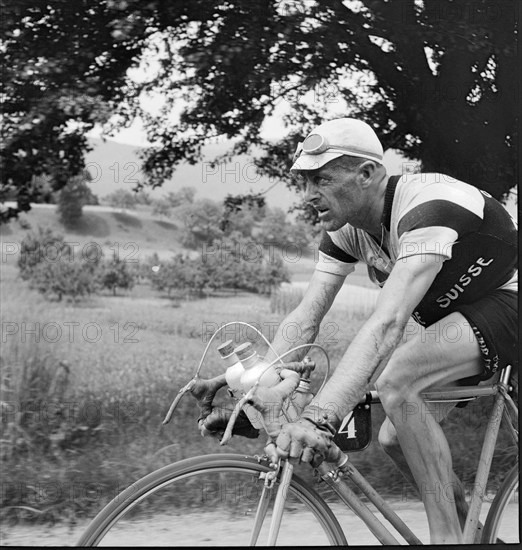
{"points": [[445, 254]]}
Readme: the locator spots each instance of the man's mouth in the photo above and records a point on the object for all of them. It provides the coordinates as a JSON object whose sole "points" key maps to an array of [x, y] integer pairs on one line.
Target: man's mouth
{"points": [[322, 212]]}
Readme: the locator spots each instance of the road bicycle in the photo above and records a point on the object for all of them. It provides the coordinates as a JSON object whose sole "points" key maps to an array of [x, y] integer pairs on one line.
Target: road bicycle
{"points": [[234, 499]]}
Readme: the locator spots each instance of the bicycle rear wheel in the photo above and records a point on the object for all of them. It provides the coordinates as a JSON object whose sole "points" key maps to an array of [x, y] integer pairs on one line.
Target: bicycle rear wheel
{"points": [[502, 521], [209, 501]]}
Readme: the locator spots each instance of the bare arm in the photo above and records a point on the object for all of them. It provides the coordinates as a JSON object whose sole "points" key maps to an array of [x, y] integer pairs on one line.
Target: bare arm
{"points": [[307, 316], [371, 349]]}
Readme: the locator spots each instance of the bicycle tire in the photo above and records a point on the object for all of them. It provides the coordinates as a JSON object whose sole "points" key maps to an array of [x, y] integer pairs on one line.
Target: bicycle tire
{"points": [[498, 509], [115, 510]]}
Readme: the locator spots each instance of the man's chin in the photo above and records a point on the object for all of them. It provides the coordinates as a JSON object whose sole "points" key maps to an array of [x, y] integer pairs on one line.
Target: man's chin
{"points": [[330, 225]]}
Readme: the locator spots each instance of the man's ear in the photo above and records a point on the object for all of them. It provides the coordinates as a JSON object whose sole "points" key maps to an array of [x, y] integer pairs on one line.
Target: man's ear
{"points": [[366, 172]]}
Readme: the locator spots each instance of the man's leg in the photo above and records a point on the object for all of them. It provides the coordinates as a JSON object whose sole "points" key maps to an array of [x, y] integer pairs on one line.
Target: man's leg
{"points": [[445, 352], [390, 443]]}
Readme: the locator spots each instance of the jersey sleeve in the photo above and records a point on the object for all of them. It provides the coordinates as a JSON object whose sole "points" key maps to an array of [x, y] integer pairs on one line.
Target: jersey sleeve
{"points": [[437, 218], [333, 259]]}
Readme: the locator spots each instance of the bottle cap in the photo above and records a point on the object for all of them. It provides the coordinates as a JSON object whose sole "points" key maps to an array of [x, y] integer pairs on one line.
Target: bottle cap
{"points": [[226, 349], [245, 351]]}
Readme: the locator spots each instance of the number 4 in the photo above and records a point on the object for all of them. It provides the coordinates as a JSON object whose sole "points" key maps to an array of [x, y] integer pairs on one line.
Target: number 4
{"points": [[348, 427]]}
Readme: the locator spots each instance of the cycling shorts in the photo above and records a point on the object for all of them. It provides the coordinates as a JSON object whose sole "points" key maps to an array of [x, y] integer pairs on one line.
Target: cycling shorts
{"points": [[494, 320]]}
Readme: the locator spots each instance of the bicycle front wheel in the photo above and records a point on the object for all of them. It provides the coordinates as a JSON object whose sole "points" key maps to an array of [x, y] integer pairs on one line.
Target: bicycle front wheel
{"points": [[211, 501], [502, 522]]}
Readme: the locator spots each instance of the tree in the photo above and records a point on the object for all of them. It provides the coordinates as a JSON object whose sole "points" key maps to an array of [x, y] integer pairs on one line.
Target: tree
{"points": [[115, 274], [72, 278], [71, 200], [276, 229], [160, 207], [55, 269], [38, 247], [201, 221], [122, 198], [434, 78], [179, 198]]}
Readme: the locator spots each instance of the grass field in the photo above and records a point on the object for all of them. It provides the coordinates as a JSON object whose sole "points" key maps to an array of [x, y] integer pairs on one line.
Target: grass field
{"points": [[72, 438]]}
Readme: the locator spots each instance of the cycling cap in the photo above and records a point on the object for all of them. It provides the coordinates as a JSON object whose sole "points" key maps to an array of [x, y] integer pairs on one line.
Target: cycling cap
{"points": [[332, 139]]}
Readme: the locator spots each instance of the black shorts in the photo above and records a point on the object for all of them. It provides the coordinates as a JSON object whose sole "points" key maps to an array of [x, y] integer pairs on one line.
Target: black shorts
{"points": [[494, 320]]}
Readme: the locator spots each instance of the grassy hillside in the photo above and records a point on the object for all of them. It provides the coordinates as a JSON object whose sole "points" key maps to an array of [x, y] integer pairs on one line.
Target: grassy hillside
{"points": [[136, 234]]}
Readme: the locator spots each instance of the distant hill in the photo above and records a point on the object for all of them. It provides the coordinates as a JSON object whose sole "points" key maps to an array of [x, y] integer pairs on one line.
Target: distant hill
{"points": [[116, 165]]}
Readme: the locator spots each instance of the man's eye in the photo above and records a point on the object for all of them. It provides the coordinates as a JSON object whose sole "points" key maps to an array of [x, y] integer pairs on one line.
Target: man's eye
{"points": [[321, 180]]}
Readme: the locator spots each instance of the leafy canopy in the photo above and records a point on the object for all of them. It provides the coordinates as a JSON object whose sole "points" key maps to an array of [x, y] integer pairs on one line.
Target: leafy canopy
{"points": [[434, 77]]}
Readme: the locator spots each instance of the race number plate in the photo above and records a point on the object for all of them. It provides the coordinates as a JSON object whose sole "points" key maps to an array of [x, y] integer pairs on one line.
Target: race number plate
{"points": [[355, 432]]}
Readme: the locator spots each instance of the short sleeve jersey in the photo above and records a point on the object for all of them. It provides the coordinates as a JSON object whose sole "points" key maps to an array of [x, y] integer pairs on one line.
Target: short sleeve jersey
{"points": [[433, 214]]}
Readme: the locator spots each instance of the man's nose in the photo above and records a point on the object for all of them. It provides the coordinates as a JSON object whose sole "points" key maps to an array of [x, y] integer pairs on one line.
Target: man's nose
{"points": [[310, 190]]}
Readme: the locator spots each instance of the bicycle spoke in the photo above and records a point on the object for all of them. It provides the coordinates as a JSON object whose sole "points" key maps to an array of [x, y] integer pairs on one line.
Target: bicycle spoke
{"points": [[221, 500]]}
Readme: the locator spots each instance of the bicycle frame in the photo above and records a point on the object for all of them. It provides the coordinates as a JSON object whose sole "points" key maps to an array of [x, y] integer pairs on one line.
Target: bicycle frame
{"points": [[334, 476]]}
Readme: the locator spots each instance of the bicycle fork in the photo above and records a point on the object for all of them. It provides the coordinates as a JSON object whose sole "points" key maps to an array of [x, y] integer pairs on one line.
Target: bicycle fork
{"points": [[264, 501]]}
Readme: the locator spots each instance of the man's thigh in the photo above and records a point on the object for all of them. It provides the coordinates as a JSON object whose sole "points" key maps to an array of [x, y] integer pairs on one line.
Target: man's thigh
{"points": [[444, 352]]}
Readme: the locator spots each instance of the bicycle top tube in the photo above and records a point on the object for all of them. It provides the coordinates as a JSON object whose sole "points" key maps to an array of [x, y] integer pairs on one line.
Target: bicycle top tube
{"points": [[457, 393]]}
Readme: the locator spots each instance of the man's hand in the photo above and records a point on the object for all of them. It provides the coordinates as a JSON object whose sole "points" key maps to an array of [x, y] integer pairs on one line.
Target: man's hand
{"points": [[216, 422], [305, 440]]}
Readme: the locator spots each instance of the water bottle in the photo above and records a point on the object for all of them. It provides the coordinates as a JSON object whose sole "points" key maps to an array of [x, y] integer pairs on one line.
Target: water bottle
{"points": [[233, 376], [234, 368], [255, 367]]}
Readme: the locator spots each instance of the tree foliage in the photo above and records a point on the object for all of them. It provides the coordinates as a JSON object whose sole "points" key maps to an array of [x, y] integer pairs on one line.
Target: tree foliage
{"points": [[121, 198], [277, 230], [201, 222], [435, 79], [116, 273], [55, 269], [230, 263], [71, 200]]}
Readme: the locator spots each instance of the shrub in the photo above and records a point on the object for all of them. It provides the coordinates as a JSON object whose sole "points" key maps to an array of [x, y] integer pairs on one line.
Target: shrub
{"points": [[48, 263], [37, 247], [171, 275], [75, 279], [224, 265], [116, 274]]}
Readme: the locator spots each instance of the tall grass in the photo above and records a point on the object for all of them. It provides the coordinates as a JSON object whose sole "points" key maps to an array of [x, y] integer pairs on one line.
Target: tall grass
{"points": [[284, 299], [82, 417]]}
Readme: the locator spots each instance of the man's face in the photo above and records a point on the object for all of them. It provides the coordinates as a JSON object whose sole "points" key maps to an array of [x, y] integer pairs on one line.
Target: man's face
{"points": [[333, 191]]}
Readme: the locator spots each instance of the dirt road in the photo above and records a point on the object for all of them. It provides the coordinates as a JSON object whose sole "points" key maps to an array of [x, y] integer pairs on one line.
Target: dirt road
{"points": [[216, 530]]}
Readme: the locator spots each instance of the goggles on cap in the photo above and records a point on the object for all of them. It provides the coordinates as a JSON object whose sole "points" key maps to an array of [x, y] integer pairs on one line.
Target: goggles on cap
{"points": [[315, 144]]}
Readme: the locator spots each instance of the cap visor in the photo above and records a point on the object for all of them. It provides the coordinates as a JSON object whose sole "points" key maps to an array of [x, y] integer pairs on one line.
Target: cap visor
{"points": [[313, 162]]}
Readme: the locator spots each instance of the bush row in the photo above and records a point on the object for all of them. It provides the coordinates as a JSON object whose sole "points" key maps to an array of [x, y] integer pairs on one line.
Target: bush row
{"points": [[51, 266]]}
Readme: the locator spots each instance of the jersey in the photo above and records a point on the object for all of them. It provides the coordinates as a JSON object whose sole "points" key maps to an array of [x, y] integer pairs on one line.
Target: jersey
{"points": [[433, 214]]}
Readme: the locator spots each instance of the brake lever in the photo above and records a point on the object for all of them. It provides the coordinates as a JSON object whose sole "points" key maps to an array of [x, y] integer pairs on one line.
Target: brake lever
{"points": [[203, 391]]}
